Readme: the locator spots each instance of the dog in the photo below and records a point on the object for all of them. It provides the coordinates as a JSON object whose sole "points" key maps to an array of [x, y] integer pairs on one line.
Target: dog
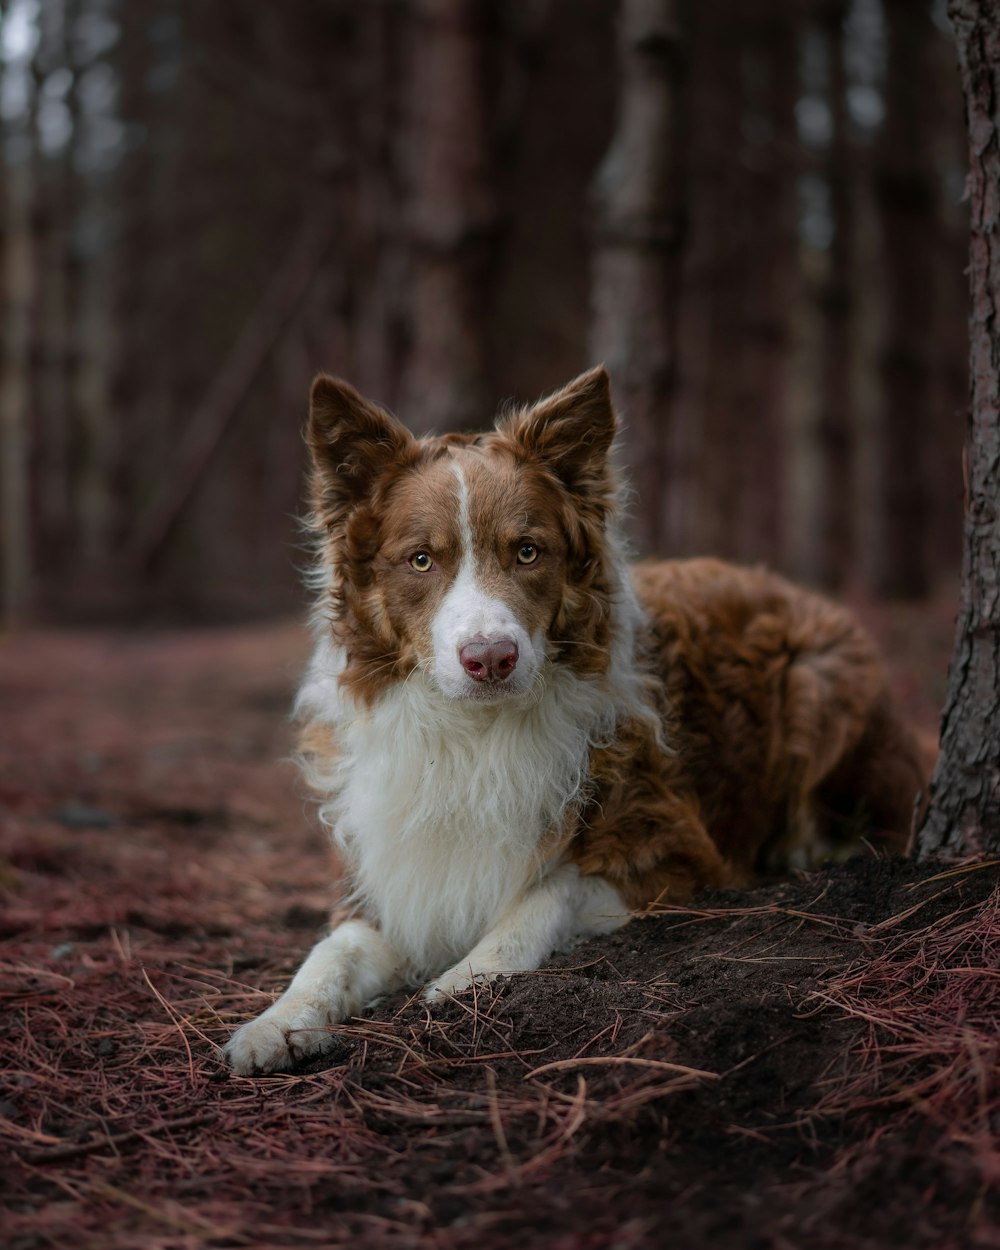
{"points": [[518, 740]]}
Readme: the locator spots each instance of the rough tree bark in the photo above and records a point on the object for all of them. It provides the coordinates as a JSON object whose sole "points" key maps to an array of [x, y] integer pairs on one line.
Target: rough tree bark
{"points": [[964, 812], [634, 279]]}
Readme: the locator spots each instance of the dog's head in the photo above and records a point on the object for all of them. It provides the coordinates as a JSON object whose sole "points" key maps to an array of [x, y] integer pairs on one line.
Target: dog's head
{"points": [[475, 558]]}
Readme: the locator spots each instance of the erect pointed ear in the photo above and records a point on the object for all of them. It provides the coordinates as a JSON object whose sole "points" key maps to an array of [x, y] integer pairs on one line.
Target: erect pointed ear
{"points": [[353, 442], [571, 430]]}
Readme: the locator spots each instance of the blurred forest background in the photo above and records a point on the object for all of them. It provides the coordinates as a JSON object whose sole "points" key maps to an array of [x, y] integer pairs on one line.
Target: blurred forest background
{"points": [[751, 211]]}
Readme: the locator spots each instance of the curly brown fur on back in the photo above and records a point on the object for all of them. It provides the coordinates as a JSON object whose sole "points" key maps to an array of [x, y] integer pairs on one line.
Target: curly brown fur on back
{"points": [[783, 740]]}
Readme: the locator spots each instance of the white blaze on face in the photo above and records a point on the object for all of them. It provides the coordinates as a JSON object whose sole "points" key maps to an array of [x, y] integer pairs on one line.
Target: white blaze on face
{"points": [[470, 613]]}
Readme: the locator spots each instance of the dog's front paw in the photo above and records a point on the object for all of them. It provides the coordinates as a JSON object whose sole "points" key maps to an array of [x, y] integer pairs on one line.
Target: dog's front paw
{"points": [[279, 1039], [456, 981], [260, 1045]]}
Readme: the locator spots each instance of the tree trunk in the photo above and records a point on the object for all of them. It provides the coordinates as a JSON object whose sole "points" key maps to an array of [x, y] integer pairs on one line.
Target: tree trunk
{"points": [[724, 434], [371, 304], [949, 332], [635, 261], [451, 216], [17, 281], [836, 497], [906, 197], [964, 813], [89, 278], [145, 261], [768, 154], [50, 434]]}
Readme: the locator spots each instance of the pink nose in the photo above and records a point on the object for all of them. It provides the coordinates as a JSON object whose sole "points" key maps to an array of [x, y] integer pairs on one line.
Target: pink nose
{"points": [[488, 659]]}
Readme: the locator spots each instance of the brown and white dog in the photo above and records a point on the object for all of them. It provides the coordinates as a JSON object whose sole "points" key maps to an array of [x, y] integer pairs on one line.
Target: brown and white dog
{"points": [[518, 740]]}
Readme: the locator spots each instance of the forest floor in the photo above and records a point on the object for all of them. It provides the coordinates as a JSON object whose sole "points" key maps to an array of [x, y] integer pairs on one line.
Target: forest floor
{"points": [[814, 1063]]}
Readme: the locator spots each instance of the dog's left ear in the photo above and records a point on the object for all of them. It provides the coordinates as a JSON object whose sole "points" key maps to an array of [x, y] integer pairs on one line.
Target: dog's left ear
{"points": [[570, 431]]}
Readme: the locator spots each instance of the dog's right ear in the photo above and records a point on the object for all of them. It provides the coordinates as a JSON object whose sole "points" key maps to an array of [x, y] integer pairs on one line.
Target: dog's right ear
{"points": [[353, 442]]}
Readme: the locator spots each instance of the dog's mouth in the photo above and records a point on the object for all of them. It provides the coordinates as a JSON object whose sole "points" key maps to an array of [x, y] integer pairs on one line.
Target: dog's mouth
{"points": [[489, 690], [488, 693]]}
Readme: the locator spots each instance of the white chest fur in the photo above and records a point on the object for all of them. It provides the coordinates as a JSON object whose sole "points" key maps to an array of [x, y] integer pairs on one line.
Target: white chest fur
{"points": [[442, 807]]}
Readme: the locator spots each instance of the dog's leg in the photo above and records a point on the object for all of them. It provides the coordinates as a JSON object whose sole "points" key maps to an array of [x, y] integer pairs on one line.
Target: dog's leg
{"points": [[564, 908], [341, 975]]}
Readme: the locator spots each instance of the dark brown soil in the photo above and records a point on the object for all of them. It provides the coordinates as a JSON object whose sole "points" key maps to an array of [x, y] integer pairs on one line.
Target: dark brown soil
{"points": [[811, 1064]]}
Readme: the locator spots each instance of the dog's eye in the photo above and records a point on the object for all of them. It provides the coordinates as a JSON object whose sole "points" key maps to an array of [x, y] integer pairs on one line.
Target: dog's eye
{"points": [[421, 562], [527, 553]]}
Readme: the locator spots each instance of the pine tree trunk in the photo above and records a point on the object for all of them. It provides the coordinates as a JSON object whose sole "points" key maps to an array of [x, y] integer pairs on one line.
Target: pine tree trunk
{"points": [[634, 280], [451, 216], [371, 309], [89, 278], [49, 445], [768, 154], [905, 192], [836, 497], [725, 281], [964, 813], [17, 281], [691, 527], [136, 338]]}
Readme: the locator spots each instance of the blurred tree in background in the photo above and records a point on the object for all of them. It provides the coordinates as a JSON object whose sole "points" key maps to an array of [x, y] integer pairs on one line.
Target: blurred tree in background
{"points": [[752, 212]]}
